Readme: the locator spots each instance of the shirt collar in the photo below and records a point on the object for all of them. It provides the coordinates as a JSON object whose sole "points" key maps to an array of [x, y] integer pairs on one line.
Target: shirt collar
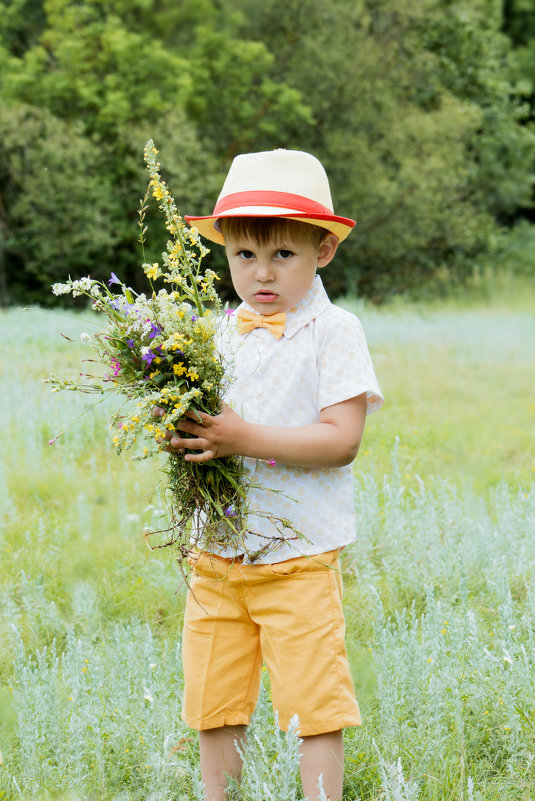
{"points": [[314, 302]]}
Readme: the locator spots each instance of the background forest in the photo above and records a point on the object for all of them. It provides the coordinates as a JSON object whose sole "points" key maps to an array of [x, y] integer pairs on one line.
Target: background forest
{"points": [[422, 113]]}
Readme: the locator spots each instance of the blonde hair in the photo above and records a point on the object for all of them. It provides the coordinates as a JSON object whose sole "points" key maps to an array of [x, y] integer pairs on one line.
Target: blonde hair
{"points": [[265, 230]]}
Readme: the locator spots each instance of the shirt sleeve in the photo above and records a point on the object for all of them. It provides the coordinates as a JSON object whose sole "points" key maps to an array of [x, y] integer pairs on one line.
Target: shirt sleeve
{"points": [[344, 362]]}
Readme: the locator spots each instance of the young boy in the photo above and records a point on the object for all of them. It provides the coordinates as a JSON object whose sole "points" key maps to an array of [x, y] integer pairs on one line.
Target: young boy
{"points": [[303, 384]]}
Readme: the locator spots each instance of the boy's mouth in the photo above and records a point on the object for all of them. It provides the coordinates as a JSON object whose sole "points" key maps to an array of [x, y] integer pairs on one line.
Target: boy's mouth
{"points": [[265, 296]]}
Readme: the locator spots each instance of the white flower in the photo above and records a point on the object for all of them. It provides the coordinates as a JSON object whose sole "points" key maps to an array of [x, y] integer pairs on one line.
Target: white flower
{"points": [[86, 338], [81, 286], [60, 289], [507, 657], [147, 696]]}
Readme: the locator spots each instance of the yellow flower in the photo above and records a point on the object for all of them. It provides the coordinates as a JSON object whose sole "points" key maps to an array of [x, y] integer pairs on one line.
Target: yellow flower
{"points": [[153, 272], [179, 369]]}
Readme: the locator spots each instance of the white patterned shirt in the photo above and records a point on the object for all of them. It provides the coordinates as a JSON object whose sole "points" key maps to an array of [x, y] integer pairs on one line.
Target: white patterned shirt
{"points": [[321, 359]]}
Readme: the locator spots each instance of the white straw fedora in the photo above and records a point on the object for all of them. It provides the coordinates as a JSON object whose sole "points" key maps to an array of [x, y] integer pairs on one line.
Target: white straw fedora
{"points": [[275, 183]]}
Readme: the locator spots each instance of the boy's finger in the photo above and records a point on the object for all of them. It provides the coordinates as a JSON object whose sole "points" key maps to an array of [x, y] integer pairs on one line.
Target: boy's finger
{"points": [[191, 428], [194, 443], [169, 449], [205, 456], [201, 418]]}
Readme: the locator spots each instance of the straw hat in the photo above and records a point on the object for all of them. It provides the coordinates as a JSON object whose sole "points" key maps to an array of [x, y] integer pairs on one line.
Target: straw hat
{"points": [[275, 183]]}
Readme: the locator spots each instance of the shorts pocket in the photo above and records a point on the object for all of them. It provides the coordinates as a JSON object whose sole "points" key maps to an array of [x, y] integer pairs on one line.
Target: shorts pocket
{"points": [[308, 566], [209, 565]]}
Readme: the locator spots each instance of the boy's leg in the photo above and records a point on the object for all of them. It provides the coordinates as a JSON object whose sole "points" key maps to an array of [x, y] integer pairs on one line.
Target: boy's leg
{"points": [[220, 759], [323, 754]]}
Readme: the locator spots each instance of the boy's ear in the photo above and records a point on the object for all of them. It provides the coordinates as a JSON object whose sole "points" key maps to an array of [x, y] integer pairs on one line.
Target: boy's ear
{"points": [[327, 249]]}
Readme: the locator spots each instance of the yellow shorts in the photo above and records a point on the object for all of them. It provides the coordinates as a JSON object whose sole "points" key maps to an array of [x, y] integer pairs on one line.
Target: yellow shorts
{"points": [[287, 615]]}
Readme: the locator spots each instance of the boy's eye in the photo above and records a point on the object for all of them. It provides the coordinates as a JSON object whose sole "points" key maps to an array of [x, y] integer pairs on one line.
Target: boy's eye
{"points": [[246, 254], [285, 254]]}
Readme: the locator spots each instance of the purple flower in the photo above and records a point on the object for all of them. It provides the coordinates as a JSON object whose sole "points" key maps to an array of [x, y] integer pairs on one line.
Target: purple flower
{"points": [[229, 312], [130, 343], [148, 357], [113, 280], [123, 308], [230, 511], [116, 366], [194, 318], [155, 331]]}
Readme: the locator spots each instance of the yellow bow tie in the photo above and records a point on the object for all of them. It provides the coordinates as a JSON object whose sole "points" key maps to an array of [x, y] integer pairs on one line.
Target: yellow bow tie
{"points": [[275, 323]]}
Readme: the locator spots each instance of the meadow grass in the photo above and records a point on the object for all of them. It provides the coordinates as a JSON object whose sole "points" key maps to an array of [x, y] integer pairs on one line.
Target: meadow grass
{"points": [[439, 586]]}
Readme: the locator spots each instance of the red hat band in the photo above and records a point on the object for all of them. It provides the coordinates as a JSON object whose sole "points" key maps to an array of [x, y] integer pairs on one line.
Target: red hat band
{"points": [[270, 198]]}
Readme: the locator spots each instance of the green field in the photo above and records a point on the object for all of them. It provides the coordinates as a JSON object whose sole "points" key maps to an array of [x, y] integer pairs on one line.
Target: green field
{"points": [[440, 590]]}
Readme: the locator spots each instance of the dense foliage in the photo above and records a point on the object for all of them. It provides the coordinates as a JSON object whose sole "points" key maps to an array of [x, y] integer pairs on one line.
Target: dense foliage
{"points": [[421, 113]]}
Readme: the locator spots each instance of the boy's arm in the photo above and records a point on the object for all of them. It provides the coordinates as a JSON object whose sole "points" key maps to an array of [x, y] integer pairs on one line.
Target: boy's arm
{"points": [[332, 442]]}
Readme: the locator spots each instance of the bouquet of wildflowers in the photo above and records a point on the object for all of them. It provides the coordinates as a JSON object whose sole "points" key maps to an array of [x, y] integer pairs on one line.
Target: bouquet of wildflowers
{"points": [[161, 351]]}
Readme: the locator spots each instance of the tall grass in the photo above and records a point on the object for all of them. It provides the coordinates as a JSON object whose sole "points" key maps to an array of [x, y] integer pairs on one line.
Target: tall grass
{"points": [[439, 586]]}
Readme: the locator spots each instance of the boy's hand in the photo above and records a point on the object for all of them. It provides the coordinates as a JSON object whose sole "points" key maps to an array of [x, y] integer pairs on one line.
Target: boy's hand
{"points": [[214, 436], [331, 442]]}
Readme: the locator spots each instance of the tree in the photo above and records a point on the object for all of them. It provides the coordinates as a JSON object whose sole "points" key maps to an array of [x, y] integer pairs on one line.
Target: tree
{"points": [[56, 206]]}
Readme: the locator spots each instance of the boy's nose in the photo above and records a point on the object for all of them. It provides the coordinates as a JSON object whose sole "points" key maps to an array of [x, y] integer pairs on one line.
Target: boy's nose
{"points": [[264, 271]]}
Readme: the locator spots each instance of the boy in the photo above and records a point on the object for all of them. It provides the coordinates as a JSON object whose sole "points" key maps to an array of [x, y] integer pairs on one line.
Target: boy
{"points": [[303, 385]]}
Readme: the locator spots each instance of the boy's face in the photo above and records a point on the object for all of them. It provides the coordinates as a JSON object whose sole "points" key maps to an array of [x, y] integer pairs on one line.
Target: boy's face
{"points": [[276, 276]]}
